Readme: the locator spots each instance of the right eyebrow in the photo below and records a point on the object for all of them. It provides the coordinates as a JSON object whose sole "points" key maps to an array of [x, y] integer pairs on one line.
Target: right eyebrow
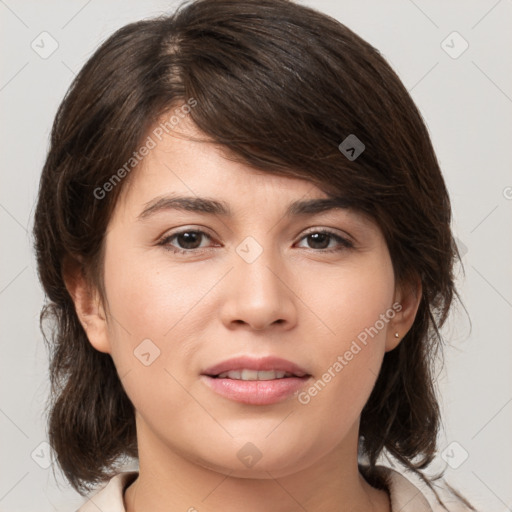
{"points": [[185, 203]]}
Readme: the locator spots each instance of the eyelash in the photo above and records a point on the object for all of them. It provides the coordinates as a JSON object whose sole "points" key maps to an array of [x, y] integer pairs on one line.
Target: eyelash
{"points": [[343, 242]]}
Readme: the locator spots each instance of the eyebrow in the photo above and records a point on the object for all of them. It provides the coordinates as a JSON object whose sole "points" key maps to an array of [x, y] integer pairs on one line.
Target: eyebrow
{"points": [[215, 207]]}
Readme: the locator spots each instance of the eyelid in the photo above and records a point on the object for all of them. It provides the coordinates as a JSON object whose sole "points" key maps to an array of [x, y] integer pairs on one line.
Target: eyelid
{"points": [[185, 229]]}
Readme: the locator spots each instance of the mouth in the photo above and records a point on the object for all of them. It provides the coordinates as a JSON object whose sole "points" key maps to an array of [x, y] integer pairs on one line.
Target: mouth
{"points": [[248, 375], [256, 381]]}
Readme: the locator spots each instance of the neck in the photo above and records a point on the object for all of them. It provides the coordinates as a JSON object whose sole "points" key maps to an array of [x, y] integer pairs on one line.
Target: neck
{"points": [[170, 481]]}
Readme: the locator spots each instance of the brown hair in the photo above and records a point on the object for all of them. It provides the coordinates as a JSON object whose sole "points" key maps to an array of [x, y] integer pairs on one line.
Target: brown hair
{"points": [[280, 86]]}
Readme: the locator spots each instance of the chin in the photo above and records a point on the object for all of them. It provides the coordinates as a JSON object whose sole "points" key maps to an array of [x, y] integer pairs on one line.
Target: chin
{"points": [[254, 459]]}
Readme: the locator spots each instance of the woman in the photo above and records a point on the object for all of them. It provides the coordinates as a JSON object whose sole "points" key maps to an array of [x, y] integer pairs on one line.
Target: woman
{"points": [[244, 236]]}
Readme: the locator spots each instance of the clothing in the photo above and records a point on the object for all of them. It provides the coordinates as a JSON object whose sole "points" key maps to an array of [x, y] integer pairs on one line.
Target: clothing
{"points": [[405, 497]]}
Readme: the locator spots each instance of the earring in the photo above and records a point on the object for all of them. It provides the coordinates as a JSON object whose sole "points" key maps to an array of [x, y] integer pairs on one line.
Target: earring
{"points": [[397, 335]]}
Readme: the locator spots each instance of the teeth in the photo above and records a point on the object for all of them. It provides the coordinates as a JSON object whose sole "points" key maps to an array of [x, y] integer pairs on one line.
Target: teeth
{"points": [[254, 375]]}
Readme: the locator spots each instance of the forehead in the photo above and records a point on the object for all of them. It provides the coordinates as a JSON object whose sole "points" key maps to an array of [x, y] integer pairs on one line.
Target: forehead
{"points": [[187, 171], [189, 164]]}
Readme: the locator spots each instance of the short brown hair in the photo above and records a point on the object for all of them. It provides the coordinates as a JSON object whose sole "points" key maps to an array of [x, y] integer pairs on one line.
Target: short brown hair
{"points": [[280, 86]]}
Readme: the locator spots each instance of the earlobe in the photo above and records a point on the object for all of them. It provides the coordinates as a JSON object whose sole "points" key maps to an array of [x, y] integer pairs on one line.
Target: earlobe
{"points": [[88, 306], [408, 297]]}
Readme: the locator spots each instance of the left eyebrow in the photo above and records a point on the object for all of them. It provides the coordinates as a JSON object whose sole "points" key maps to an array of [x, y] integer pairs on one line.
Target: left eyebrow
{"points": [[313, 206], [214, 207]]}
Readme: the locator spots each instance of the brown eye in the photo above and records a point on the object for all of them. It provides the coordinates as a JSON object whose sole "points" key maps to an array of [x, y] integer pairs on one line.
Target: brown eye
{"points": [[320, 240], [184, 241], [189, 239]]}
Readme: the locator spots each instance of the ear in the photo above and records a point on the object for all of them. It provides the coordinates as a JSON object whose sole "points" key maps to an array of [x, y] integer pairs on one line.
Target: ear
{"points": [[88, 305], [406, 303]]}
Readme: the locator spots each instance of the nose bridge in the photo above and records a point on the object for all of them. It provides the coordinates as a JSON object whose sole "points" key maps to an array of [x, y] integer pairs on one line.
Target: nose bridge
{"points": [[257, 294], [255, 265]]}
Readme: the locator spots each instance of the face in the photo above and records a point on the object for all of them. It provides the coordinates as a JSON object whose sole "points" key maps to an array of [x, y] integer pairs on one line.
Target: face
{"points": [[309, 294]]}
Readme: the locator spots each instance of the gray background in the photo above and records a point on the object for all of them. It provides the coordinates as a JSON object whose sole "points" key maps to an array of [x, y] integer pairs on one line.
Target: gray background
{"points": [[466, 101]]}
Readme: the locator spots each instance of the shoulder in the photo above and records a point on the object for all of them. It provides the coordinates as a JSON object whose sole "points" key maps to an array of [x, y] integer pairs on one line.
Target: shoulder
{"points": [[110, 497], [406, 496]]}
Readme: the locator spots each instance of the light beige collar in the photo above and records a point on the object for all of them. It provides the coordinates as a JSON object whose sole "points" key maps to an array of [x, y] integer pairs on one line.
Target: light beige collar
{"points": [[405, 497]]}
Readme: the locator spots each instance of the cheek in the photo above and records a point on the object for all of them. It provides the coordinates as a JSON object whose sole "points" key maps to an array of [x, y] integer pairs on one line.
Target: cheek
{"points": [[149, 301], [351, 300], [158, 312], [149, 310], [355, 307]]}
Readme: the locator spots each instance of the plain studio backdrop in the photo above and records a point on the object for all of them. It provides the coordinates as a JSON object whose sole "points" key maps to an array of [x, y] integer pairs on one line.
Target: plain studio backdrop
{"points": [[453, 57]]}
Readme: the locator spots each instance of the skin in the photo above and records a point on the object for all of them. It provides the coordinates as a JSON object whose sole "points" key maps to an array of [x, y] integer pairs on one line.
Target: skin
{"points": [[209, 305]]}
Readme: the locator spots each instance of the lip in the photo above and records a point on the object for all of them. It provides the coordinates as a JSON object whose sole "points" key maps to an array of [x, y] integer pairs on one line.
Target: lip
{"points": [[256, 392], [259, 364]]}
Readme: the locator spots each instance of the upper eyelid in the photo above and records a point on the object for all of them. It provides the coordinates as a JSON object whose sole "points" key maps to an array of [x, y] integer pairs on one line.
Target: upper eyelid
{"points": [[334, 231]]}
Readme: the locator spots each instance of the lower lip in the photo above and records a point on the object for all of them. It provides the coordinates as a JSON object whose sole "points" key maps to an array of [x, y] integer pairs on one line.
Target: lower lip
{"points": [[256, 392]]}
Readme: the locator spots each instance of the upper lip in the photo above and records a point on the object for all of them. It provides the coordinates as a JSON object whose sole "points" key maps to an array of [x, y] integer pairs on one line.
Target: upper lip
{"points": [[259, 364]]}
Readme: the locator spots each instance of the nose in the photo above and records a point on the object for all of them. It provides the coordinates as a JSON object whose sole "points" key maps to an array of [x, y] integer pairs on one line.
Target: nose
{"points": [[259, 294]]}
